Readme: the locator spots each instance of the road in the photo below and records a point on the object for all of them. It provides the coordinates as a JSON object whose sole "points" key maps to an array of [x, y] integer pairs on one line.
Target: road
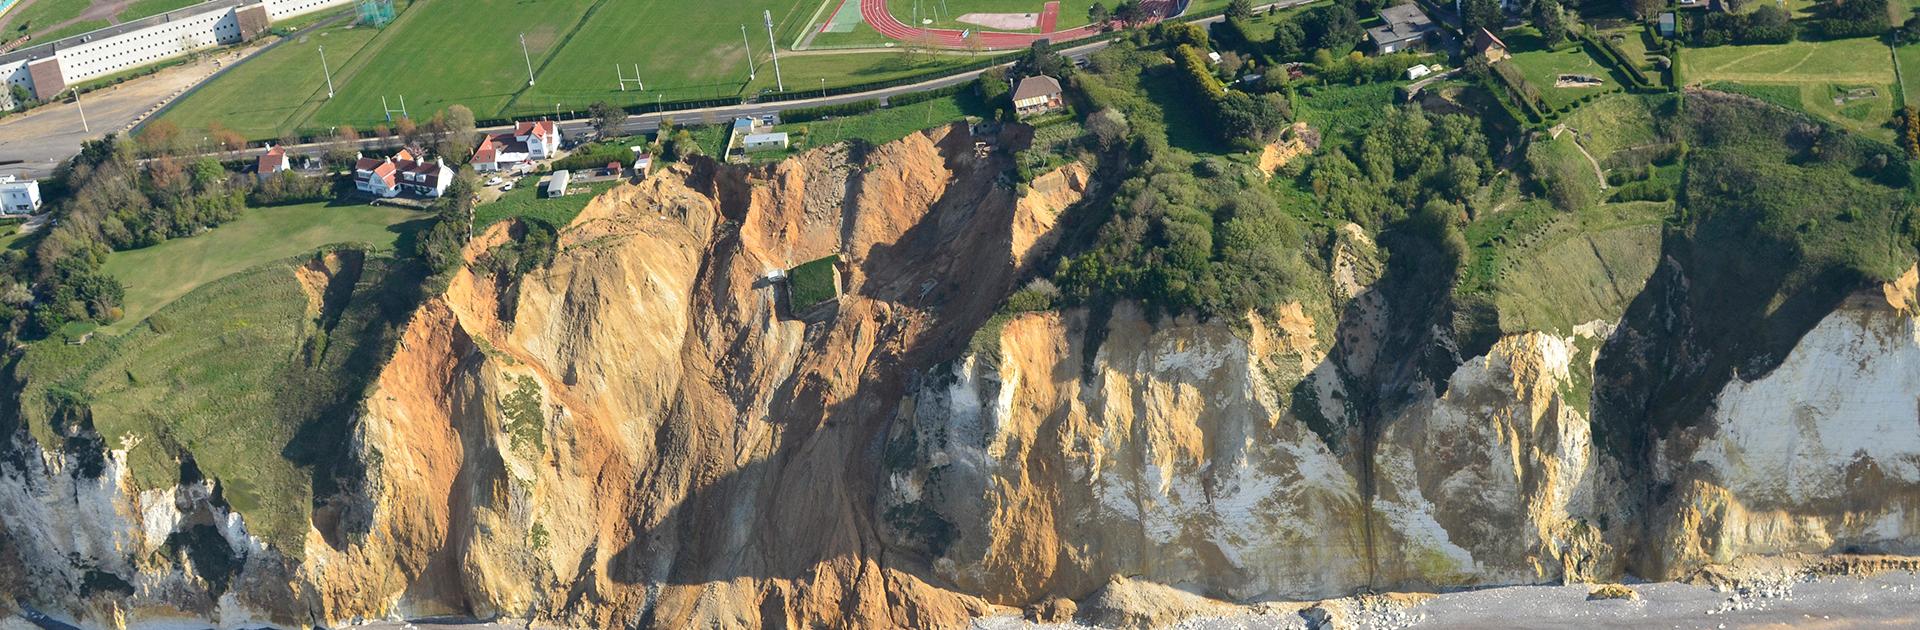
{"points": [[32, 144]]}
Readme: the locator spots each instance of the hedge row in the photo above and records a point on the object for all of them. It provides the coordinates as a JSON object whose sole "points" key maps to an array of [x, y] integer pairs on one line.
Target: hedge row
{"points": [[807, 114]]}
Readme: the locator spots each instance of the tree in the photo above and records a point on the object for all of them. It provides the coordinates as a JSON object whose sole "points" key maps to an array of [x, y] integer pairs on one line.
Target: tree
{"points": [[1041, 59], [159, 137], [1239, 9], [1289, 41], [607, 119], [1333, 28], [1485, 14], [1128, 12], [22, 97], [460, 130], [1108, 127], [1551, 20], [1646, 9], [1099, 15]]}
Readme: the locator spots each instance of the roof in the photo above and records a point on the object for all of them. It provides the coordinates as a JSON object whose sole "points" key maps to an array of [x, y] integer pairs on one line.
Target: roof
{"points": [[542, 128], [487, 152], [1485, 38], [778, 136], [270, 162], [1036, 86], [1403, 22]]}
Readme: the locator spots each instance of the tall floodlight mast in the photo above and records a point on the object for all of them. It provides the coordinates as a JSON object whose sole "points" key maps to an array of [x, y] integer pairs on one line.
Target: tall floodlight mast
{"points": [[777, 81]]}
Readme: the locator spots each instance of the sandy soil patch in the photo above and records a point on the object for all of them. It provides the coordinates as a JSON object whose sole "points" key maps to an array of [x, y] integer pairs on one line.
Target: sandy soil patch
{"points": [[1001, 21]]}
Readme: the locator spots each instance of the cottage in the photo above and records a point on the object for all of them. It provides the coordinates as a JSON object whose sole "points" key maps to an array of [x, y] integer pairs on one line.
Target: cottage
{"points": [[272, 162], [1406, 27], [407, 172], [1667, 24], [1488, 46], [19, 197], [1037, 94], [557, 184], [765, 141], [527, 142]]}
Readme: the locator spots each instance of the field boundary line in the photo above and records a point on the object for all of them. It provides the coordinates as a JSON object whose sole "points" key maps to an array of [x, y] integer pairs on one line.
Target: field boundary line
{"points": [[359, 61], [804, 40]]}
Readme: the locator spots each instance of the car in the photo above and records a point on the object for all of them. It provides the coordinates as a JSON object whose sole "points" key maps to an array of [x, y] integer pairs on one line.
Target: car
{"points": [[507, 187], [493, 181]]}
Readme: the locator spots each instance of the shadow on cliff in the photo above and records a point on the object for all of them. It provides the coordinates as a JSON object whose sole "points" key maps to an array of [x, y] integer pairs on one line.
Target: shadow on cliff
{"points": [[803, 510]]}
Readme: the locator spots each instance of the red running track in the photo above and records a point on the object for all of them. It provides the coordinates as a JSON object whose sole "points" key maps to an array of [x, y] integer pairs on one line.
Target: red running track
{"points": [[876, 14], [1049, 17]]}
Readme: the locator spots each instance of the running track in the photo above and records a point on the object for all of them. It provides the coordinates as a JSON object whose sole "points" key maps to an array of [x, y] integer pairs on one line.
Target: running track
{"points": [[876, 14]]}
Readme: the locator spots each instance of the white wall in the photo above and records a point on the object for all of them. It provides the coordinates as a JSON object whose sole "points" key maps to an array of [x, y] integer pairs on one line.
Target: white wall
{"points": [[148, 45], [11, 74], [283, 9]]}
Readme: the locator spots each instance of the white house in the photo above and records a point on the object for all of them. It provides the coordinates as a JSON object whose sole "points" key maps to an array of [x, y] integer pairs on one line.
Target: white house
{"points": [[528, 141], [405, 172], [557, 184], [272, 162], [1037, 94], [19, 197], [765, 141]]}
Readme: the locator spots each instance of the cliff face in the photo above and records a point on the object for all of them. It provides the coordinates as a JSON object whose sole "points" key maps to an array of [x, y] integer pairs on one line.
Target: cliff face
{"points": [[643, 432]]}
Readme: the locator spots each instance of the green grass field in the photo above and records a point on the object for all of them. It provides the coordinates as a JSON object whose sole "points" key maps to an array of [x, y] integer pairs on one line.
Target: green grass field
{"points": [[1820, 72], [40, 16], [264, 97], [439, 53], [243, 375], [527, 201], [1542, 69], [156, 276], [1909, 57]]}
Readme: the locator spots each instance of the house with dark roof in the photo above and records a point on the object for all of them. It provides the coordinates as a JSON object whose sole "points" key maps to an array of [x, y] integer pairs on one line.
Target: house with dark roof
{"points": [[407, 172], [1488, 46], [1406, 27], [1037, 94], [272, 162], [529, 141]]}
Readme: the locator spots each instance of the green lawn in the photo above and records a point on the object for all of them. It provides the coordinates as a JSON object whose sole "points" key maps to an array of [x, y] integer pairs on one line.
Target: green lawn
{"points": [[1813, 77], [684, 50], [262, 97], [156, 276], [528, 200], [812, 283], [243, 375], [38, 17], [454, 52], [1542, 69], [1909, 72], [442, 52], [144, 8], [883, 125]]}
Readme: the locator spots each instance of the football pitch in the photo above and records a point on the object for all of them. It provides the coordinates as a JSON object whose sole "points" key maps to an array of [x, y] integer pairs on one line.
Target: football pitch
{"points": [[439, 53]]}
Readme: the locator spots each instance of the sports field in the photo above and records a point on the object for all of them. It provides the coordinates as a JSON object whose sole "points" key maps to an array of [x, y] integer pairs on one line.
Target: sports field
{"points": [[444, 52], [1848, 82]]}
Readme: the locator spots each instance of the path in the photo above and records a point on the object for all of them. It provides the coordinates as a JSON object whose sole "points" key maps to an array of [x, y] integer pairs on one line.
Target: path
{"points": [[1597, 171]]}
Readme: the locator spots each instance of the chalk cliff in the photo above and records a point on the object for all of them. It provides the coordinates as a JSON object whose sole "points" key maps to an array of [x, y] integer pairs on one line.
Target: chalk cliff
{"points": [[642, 432]]}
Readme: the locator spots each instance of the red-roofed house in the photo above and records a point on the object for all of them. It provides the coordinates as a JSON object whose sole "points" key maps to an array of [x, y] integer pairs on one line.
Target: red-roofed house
{"points": [[405, 172], [272, 162], [538, 140]]}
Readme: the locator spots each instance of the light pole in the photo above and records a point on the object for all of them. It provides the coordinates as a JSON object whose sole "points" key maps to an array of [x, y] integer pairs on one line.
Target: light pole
{"points": [[768, 16], [749, 43], [327, 71], [529, 58]]}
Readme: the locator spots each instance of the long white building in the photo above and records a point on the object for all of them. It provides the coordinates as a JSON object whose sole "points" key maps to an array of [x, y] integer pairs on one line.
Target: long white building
{"points": [[47, 69]]}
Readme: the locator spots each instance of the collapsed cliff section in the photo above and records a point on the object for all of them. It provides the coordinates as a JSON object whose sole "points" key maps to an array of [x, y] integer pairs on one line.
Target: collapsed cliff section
{"points": [[645, 431]]}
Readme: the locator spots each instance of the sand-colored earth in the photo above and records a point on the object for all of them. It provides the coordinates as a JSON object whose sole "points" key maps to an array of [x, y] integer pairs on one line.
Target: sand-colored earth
{"points": [[1001, 21]]}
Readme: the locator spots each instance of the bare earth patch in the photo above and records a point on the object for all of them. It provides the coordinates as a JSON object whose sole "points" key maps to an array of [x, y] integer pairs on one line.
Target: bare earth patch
{"points": [[1002, 21]]}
